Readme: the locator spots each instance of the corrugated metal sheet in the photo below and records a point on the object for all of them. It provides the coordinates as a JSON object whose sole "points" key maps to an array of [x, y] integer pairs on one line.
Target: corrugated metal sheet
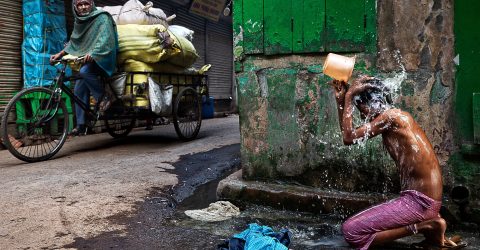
{"points": [[11, 33], [220, 55]]}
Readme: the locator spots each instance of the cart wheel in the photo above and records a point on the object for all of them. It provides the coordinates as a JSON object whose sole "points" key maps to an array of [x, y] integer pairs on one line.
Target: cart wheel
{"points": [[35, 124], [187, 117], [119, 128]]}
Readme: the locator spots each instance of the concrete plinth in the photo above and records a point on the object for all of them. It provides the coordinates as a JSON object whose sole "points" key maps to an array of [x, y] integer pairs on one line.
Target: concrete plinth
{"points": [[295, 197]]}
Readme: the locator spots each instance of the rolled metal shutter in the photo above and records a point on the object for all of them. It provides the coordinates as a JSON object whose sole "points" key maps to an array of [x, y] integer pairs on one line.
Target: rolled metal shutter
{"points": [[11, 36], [220, 55]]}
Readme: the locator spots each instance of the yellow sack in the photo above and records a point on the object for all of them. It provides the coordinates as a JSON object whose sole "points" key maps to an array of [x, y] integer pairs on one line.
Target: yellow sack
{"points": [[138, 66], [142, 43], [184, 78], [138, 43], [188, 54], [152, 55], [162, 67], [135, 30]]}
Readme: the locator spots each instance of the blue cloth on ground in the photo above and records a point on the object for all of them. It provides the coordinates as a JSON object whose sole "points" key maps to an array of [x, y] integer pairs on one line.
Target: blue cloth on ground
{"points": [[258, 237]]}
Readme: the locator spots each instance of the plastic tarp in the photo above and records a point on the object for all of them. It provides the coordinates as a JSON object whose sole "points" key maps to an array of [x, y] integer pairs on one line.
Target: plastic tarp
{"points": [[44, 34]]}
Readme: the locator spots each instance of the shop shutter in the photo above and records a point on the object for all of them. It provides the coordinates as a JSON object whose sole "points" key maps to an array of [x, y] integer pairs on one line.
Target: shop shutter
{"points": [[11, 33], [220, 55]]}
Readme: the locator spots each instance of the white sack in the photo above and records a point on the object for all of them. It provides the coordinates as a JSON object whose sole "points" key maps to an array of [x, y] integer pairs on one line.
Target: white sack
{"points": [[182, 31], [134, 12]]}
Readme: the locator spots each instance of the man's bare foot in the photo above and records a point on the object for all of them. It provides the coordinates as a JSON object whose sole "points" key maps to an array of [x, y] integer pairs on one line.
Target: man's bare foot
{"points": [[433, 230]]}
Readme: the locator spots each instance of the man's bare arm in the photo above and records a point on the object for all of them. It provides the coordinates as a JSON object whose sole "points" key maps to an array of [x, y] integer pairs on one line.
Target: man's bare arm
{"points": [[340, 91], [368, 130]]}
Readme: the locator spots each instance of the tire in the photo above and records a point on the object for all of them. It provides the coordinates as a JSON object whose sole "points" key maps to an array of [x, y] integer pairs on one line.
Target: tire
{"points": [[35, 125], [187, 115], [119, 128]]}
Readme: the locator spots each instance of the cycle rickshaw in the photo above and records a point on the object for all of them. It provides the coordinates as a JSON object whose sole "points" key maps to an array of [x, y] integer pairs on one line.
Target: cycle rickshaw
{"points": [[37, 120]]}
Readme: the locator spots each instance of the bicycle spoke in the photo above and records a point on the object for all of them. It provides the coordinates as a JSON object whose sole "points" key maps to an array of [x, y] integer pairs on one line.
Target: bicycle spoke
{"points": [[37, 121]]}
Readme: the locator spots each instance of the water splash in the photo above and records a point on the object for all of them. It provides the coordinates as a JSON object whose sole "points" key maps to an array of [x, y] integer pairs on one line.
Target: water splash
{"points": [[394, 83]]}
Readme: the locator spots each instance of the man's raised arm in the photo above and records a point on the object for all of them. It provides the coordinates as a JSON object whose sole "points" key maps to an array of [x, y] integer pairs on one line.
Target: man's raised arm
{"points": [[340, 89], [375, 127]]}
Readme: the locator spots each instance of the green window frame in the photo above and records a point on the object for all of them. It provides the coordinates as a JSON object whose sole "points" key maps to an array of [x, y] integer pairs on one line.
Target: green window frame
{"points": [[274, 27]]}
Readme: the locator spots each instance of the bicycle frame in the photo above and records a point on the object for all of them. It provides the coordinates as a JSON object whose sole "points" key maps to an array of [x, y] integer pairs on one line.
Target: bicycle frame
{"points": [[59, 87]]}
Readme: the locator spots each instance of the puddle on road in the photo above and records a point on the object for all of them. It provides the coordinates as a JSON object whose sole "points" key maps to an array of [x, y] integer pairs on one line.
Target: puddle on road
{"points": [[307, 229], [310, 231], [160, 223], [205, 194]]}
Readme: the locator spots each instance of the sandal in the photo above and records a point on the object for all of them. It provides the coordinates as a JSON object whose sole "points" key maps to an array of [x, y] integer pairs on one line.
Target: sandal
{"points": [[80, 131], [105, 104]]}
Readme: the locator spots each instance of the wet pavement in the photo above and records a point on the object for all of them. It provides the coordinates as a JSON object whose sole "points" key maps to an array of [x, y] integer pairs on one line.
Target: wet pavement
{"points": [[159, 222], [131, 193]]}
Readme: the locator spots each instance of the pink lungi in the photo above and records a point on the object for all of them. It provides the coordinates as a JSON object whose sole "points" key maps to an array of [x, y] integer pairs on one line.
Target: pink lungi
{"points": [[410, 208]]}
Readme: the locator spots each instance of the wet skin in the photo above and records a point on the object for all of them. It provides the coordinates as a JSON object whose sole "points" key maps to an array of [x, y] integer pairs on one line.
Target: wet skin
{"points": [[406, 143]]}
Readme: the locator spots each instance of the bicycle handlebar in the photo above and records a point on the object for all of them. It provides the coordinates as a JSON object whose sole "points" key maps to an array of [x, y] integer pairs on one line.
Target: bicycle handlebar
{"points": [[68, 60]]}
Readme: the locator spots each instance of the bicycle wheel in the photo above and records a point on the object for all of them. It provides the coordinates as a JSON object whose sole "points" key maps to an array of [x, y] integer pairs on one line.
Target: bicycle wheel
{"points": [[35, 124], [187, 117], [119, 128]]}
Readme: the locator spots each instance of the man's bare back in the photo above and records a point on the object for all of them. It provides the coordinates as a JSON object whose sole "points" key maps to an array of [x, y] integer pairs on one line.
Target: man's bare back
{"points": [[417, 208], [413, 153]]}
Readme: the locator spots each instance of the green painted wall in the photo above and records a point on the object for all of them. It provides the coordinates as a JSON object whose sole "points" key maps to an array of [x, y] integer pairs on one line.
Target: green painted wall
{"points": [[289, 129], [466, 163], [467, 38], [274, 27], [289, 123]]}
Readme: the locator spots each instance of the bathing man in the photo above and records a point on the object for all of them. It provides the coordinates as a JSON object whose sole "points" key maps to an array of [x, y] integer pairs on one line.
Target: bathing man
{"points": [[417, 208]]}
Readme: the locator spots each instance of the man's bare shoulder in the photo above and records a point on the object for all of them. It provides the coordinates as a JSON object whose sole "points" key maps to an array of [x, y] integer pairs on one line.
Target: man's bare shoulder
{"points": [[398, 116]]}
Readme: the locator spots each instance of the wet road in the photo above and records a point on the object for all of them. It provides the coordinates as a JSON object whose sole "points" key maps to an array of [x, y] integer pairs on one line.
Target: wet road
{"points": [[101, 193], [95, 182]]}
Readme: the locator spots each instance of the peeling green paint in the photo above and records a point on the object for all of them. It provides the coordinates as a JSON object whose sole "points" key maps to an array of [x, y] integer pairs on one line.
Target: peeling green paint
{"points": [[308, 26], [316, 69], [407, 89], [302, 132], [253, 21], [237, 27], [439, 93], [277, 27], [361, 67]]}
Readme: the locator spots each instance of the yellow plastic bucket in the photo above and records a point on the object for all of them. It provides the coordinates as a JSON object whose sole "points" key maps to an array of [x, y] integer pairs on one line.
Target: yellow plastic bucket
{"points": [[339, 67]]}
